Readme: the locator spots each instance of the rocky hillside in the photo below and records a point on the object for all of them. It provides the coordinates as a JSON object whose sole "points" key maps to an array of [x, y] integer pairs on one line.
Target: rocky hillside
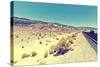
{"points": [[47, 25]]}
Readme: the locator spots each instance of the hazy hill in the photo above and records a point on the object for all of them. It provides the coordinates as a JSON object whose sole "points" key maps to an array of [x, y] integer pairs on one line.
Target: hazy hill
{"points": [[47, 25]]}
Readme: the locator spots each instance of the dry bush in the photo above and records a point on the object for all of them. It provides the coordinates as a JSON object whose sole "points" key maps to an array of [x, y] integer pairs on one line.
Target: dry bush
{"points": [[28, 38], [49, 41], [63, 42], [46, 44], [71, 41], [22, 46], [25, 55], [40, 42], [71, 49], [22, 40], [52, 49], [46, 55], [17, 36], [57, 38], [40, 34], [73, 35], [38, 38], [34, 53], [13, 62]]}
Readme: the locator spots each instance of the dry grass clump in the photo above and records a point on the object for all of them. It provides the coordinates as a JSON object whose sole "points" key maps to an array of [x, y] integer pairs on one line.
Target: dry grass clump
{"points": [[17, 36], [46, 44], [40, 42], [63, 44], [22, 40], [22, 46], [71, 41], [13, 62], [52, 48], [46, 55], [33, 53], [40, 34], [57, 38], [25, 56], [48, 41], [28, 38]]}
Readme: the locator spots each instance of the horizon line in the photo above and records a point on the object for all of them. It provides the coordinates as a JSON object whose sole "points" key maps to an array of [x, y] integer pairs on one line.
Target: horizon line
{"points": [[50, 22]]}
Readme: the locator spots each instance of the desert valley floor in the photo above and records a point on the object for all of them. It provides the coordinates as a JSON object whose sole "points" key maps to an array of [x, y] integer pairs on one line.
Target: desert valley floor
{"points": [[32, 46]]}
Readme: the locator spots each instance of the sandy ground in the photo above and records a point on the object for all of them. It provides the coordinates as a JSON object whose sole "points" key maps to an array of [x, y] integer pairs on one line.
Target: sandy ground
{"points": [[32, 49]]}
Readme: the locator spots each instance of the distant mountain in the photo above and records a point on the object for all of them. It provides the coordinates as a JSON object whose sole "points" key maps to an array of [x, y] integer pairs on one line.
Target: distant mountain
{"points": [[87, 28], [46, 25], [17, 20]]}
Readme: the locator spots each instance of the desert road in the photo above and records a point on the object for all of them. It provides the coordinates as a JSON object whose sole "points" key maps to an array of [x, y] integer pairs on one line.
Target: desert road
{"points": [[92, 39]]}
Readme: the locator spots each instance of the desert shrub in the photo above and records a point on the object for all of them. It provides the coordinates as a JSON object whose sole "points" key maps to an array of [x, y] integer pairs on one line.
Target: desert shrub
{"points": [[71, 49], [50, 52], [22, 40], [34, 53], [38, 38], [25, 56], [49, 41], [22, 46], [62, 42], [40, 42], [71, 41], [73, 35], [46, 55], [28, 38], [46, 44], [54, 35], [52, 48], [13, 62], [40, 34], [16, 35], [57, 38], [62, 47]]}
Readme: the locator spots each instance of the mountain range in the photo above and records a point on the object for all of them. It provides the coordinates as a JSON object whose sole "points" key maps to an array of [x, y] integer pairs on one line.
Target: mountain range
{"points": [[41, 24]]}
